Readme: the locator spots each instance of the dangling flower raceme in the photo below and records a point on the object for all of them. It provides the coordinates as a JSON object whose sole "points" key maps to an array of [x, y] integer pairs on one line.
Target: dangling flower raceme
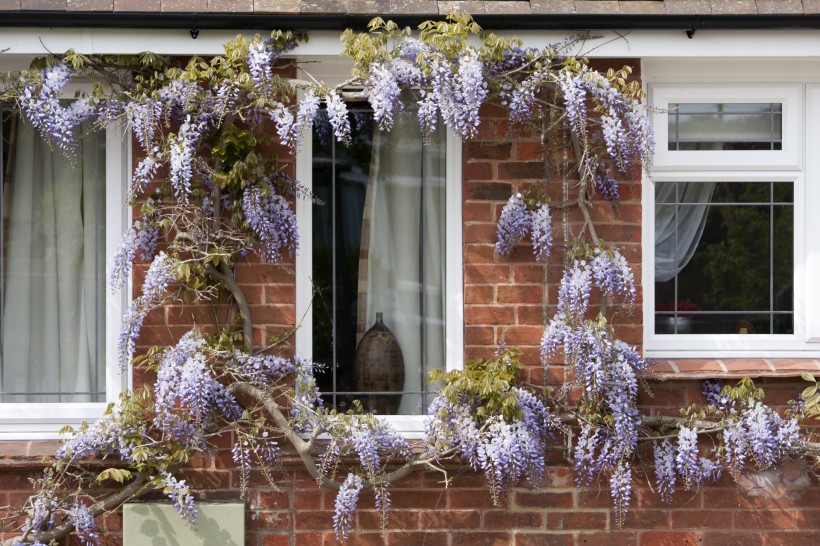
{"points": [[181, 498], [607, 186], [382, 92], [665, 469], [612, 274], [83, 521], [272, 220], [513, 225], [259, 66], [182, 148], [337, 115], [573, 88], [542, 233], [346, 500]]}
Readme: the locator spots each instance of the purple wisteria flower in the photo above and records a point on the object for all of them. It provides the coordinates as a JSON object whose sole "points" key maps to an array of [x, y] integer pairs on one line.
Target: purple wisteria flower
{"points": [[83, 521], [272, 220], [573, 87], [612, 274], [542, 233], [40, 101], [182, 148], [346, 500], [665, 469], [513, 225], [181, 498], [337, 115], [382, 91]]}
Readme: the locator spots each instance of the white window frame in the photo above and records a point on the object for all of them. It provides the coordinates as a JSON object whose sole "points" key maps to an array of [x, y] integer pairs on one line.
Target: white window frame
{"points": [[411, 426], [728, 82], [43, 421]]}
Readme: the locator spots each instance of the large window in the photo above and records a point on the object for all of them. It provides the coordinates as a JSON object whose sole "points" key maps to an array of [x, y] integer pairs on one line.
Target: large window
{"points": [[61, 219], [724, 222], [384, 253]]}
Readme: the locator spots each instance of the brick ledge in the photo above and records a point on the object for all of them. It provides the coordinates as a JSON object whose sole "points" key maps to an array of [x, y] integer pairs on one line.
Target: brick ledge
{"points": [[706, 368]]}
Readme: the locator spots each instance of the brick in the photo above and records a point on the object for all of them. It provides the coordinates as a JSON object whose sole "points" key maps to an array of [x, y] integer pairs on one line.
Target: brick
{"points": [[487, 150], [646, 519], [488, 314], [488, 191], [90, 5], [790, 7], [518, 170], [424, 7], [486, 274], [479, 170], [658, 538], [577, 520], [398, 519], [764, 519], [475, 254], [612, 538], [546, 499], [479, 293], [502, 519], [479, 498], [484, 539], [518, 293], [417, 538], [9, 5], [543, 539], [451, 519], [479, 233], [733, 538], [790, 538], [692, 519]]}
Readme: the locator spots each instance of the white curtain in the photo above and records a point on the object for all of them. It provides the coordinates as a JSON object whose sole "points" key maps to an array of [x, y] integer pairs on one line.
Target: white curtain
{"points": [[401, 272], [674, 250], [53, 315]]}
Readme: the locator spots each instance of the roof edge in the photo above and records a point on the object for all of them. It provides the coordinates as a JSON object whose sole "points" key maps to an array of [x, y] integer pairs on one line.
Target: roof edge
{"points": [[340, 21]]}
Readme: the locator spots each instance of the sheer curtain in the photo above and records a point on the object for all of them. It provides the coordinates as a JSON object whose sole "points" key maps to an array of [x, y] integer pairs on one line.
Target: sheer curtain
{"points": [[402, 260], [52, 331], [676, 239]]}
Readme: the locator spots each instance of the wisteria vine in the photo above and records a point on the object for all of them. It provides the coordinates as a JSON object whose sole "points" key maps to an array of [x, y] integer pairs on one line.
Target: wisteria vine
{"points": [[208, 193]]}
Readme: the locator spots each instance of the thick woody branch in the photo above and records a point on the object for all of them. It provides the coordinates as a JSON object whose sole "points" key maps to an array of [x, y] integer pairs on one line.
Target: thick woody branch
{"points": [[241, 302]]}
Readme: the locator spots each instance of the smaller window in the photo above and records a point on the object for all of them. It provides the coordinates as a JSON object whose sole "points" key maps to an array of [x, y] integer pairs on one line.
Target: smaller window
{"points": [[725, 126]]}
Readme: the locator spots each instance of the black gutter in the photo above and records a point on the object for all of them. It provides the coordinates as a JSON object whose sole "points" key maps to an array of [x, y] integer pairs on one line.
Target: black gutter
{"points": [[256, 21]]}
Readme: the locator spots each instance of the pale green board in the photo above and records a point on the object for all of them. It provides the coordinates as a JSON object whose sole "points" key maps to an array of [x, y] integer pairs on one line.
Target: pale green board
{"points": [[157, 524]]}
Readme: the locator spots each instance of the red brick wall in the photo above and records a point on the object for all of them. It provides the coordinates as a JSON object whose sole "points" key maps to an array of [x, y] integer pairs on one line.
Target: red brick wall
{"points": [[503, 299]]}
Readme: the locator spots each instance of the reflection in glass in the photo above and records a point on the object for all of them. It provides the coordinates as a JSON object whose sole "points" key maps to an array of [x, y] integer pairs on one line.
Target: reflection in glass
{"points": [[725, 126], [724, 258]]}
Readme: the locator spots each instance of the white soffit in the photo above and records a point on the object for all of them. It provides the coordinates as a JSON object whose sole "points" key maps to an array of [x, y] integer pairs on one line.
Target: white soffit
{"points": [[799, 43]]}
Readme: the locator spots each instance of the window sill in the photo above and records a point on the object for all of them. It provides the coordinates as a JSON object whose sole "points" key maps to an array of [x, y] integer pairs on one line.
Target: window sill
{"points": [[727, 368]]}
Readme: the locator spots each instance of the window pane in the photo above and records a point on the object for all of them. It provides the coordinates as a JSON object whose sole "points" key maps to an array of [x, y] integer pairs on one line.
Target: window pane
{"points": [[725, 126], [378, 248], [53, 269], [724, 258]]}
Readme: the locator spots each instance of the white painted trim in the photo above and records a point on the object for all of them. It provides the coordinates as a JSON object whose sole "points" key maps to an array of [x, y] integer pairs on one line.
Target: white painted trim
{"points": [[304, 257], [812, 200], [649, 44], [454, 252], [789, 95]]}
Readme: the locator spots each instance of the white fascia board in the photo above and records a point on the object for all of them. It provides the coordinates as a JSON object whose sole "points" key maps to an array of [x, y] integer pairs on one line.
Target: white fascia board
{"points": [[774, 43]]}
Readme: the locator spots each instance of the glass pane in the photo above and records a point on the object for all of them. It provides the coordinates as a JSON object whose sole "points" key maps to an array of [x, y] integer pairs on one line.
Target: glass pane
{"points": [[379, 251], [53, 269], [725, 126], [724, 255]]}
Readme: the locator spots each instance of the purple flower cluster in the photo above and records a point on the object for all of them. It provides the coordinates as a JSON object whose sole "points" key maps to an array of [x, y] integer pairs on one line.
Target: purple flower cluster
{"points": [[182, 148], [346, 500], [713, 392], [542, 233], [758, 432], [606, 185], [107, 436], [181, 498], [40, 100], [573, 87], [665, 469], [187, 395], [272, 220], [83, 521], [504, 450], [513, 225], [382, 91], [259, 66], [337, 116], [612, 274], [144, 118]]}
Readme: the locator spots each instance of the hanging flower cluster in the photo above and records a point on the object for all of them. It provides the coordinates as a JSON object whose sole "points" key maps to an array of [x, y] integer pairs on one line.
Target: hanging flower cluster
{"points": [[517, 220]]}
